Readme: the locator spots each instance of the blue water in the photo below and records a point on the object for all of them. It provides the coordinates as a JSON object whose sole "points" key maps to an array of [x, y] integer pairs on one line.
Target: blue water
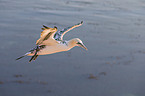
{"points": [[113, 32]]}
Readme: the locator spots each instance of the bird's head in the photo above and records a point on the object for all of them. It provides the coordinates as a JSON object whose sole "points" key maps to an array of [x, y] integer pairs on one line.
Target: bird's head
{"points": [[78, 42]]}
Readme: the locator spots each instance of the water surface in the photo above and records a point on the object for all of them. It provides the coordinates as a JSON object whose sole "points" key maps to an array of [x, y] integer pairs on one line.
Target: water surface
{"points": [[113, 31]]}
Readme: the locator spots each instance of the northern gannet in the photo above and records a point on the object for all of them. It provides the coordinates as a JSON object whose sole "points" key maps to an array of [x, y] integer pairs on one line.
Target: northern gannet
{"points": [[51, 41]]}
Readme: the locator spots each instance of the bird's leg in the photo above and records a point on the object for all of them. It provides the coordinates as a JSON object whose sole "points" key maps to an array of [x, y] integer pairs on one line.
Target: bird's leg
{"points": [[20, 57], [35, 55]]}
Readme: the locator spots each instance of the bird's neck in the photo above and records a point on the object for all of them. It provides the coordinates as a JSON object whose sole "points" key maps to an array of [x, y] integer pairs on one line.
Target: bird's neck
{"points": [[71, 44]]}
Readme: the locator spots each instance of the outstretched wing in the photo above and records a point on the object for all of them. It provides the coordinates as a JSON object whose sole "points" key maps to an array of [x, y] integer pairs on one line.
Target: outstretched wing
{"points": [[46, 37], [59, 35]]}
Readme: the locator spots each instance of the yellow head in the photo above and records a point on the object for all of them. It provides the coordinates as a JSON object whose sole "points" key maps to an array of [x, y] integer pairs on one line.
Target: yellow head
{"points": [[77, 42]]}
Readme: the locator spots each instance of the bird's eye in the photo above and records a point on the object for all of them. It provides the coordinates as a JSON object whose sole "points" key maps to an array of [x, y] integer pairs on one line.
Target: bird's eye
{"points": [[78, 43]]}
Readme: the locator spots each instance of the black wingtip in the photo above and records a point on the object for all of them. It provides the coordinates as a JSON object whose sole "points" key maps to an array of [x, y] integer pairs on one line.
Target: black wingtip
{"points": [[81, 22], [42, 28], [20, 57], [45, 27], [55, 27]]}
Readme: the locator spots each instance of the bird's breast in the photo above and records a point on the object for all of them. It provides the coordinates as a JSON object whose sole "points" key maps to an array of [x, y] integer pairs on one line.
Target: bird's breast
{"points": [[53, 49]]}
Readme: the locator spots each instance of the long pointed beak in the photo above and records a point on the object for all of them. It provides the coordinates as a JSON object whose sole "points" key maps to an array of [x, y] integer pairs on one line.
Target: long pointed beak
{"points": [[83, 46]]}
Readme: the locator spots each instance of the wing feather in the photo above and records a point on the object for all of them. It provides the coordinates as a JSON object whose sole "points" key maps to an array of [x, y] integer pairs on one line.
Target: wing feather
{"points": [[59, 35], [46, 36]]}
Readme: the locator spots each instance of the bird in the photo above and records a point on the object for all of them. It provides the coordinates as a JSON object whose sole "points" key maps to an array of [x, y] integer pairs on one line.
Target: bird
{"points": [[51, 41]]}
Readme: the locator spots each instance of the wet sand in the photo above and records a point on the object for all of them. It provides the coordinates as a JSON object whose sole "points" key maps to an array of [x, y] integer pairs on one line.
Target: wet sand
{"points": [[113, 32]]}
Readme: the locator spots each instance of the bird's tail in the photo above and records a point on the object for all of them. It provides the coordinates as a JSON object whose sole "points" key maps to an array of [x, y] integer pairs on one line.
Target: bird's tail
{"points": [[23, 55]]}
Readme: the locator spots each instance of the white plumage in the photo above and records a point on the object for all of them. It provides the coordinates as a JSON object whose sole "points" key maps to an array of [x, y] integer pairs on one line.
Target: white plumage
{"points": [[51, 41]]}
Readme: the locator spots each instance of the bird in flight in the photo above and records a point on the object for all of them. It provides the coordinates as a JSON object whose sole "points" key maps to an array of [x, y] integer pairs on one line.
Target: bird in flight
{"points": [[51, 41]]}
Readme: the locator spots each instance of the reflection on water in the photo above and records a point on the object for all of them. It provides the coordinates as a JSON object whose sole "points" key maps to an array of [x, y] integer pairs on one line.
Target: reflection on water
{"points": [[113, 32]]}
